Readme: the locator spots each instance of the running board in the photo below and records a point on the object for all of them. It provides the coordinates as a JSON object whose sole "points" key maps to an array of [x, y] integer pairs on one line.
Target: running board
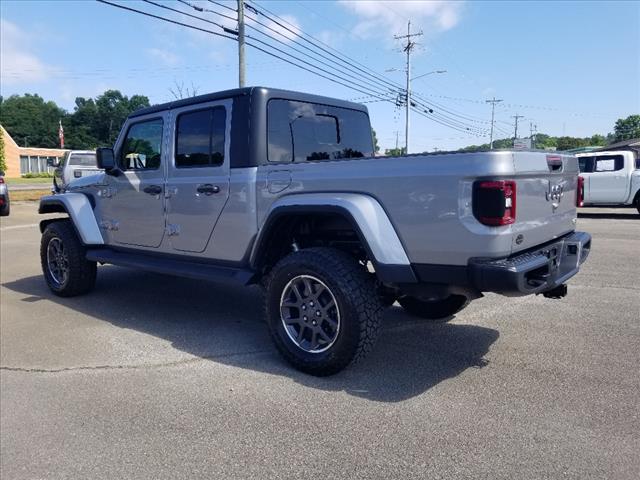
{"points": [[170, 266]]}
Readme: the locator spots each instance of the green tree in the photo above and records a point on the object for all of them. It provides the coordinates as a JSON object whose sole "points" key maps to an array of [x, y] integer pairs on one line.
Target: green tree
{"points": [[598, 140], [95, 123], [31, 121], [627, 128], [567, 143], [376, 147], [395, 152]]}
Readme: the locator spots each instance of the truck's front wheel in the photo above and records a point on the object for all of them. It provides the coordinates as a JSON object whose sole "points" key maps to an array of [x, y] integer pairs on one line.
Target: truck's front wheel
{"points": [[437, 310], [322, 309], [65, 268]]}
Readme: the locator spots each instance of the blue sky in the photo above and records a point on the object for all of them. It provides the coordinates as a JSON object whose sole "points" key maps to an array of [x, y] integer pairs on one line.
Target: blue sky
{"points": [[569, 67]]}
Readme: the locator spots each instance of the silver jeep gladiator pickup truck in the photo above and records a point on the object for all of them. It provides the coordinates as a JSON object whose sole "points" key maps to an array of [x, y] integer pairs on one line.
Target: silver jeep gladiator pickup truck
{"points": [[282, 189]]}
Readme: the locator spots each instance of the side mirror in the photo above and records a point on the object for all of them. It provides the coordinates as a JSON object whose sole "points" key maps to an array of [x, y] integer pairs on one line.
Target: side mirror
{"points": [[53, 162], [106, 159]]}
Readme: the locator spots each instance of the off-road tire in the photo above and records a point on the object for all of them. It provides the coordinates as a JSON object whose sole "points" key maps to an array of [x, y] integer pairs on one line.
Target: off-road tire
{"points": [[356, 297], [81, 276], [439, 311]]}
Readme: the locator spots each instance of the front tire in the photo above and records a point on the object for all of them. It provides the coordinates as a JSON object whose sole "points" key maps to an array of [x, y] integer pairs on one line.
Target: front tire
{"points": [[436, 310], [322, 310], [66, 270]]}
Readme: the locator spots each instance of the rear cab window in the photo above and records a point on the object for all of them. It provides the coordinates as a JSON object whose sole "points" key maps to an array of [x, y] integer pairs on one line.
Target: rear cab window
{"points": [[82, 159], [303, 131]]}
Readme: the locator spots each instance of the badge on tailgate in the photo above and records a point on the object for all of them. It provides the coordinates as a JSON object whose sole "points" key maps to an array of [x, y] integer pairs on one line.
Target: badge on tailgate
{"points": [[554, 194]]}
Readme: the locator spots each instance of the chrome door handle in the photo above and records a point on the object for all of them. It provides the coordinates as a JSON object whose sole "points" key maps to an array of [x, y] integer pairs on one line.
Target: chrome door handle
{"points": [[208, 189]]}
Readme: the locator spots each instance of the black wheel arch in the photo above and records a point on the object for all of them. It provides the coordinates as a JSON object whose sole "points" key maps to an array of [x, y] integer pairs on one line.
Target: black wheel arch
{"points": [[285, 217]]}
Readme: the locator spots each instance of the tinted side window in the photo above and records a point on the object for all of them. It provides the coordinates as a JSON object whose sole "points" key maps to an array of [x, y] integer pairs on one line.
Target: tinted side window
{"points": [[200, 138], [609, 163], [585, 164], [300, 131], [142, 148]]}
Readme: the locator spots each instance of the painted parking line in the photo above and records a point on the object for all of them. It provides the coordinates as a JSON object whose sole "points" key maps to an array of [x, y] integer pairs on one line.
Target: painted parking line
{"points": [[16, 227]]}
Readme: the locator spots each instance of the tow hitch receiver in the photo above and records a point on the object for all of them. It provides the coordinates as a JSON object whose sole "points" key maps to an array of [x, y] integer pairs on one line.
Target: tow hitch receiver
{"points": [[557, 292]]}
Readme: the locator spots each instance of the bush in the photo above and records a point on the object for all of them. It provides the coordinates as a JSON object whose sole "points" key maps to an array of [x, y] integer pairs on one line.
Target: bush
{"points": [[37, 175]]}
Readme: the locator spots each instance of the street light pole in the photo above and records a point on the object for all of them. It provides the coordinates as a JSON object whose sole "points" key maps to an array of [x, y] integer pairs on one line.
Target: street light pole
{"points": [[428, 73]]}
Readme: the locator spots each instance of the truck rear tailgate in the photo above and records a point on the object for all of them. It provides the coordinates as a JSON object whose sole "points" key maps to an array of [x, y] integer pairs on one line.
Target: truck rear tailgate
{"points": [[546, 198]]}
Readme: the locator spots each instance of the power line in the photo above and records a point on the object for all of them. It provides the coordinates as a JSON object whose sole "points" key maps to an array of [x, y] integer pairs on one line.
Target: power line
{"points": [[359, 88], [219, 25], [232, 38], [165, 19], [359, 79], [375, 75], [445, 120]]}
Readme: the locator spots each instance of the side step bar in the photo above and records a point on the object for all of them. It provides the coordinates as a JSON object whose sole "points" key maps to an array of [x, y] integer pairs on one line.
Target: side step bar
{"points": [[170, 266]]}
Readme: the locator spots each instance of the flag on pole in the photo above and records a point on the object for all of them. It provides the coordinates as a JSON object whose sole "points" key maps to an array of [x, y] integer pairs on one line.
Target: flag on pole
{"points": [[61, 134]]}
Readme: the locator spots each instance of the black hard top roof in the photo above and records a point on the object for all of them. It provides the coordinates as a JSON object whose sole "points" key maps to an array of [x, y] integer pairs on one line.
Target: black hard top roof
{"points": [[263, 92]]}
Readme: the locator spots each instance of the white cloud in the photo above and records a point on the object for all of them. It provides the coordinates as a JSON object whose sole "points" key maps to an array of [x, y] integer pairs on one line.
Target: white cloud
{"points": [[388, 18], [330, 37], [18, 64], [289, 33], [166, 57]]}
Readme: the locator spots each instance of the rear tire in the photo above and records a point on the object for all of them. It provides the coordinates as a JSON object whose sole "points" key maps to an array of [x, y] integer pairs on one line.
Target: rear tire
{"points": [[322, 310], [66, 270], [439, 311]]}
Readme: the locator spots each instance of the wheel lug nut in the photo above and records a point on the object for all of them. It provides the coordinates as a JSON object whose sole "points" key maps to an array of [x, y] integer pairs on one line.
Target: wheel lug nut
{"points": [[315, 323], [304, 307], [305, 318], [317, 313], [311, 304]]}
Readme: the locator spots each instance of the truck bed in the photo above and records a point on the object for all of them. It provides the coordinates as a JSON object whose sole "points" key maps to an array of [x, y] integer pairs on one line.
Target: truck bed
{"points": [[429, 199]]}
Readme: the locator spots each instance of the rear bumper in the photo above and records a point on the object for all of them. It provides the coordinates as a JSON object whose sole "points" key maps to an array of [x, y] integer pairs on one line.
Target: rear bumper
{"points": [[535, 271]]}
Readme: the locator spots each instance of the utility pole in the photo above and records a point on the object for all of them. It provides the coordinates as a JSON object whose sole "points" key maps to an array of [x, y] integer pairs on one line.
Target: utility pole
{"points": [[493, 110], [407, 49], [241, 43], [515, 134], [533, 128]]}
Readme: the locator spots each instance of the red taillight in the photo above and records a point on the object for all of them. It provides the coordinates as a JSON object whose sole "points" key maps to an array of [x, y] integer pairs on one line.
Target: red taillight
{"points": [[494, 202], [580, 192]]}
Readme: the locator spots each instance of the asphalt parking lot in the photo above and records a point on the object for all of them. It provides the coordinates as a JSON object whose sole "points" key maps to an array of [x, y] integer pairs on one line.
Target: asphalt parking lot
{"points": [[152, 376]]}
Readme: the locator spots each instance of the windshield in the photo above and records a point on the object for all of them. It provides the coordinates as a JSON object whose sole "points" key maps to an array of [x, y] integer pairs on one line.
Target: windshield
{"points": [[83, 159]]}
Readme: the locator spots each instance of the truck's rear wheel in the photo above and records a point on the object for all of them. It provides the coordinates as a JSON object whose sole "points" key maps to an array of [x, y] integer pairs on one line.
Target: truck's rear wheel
{"points": [[322, 310], [437, 310], [62, 255]]}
